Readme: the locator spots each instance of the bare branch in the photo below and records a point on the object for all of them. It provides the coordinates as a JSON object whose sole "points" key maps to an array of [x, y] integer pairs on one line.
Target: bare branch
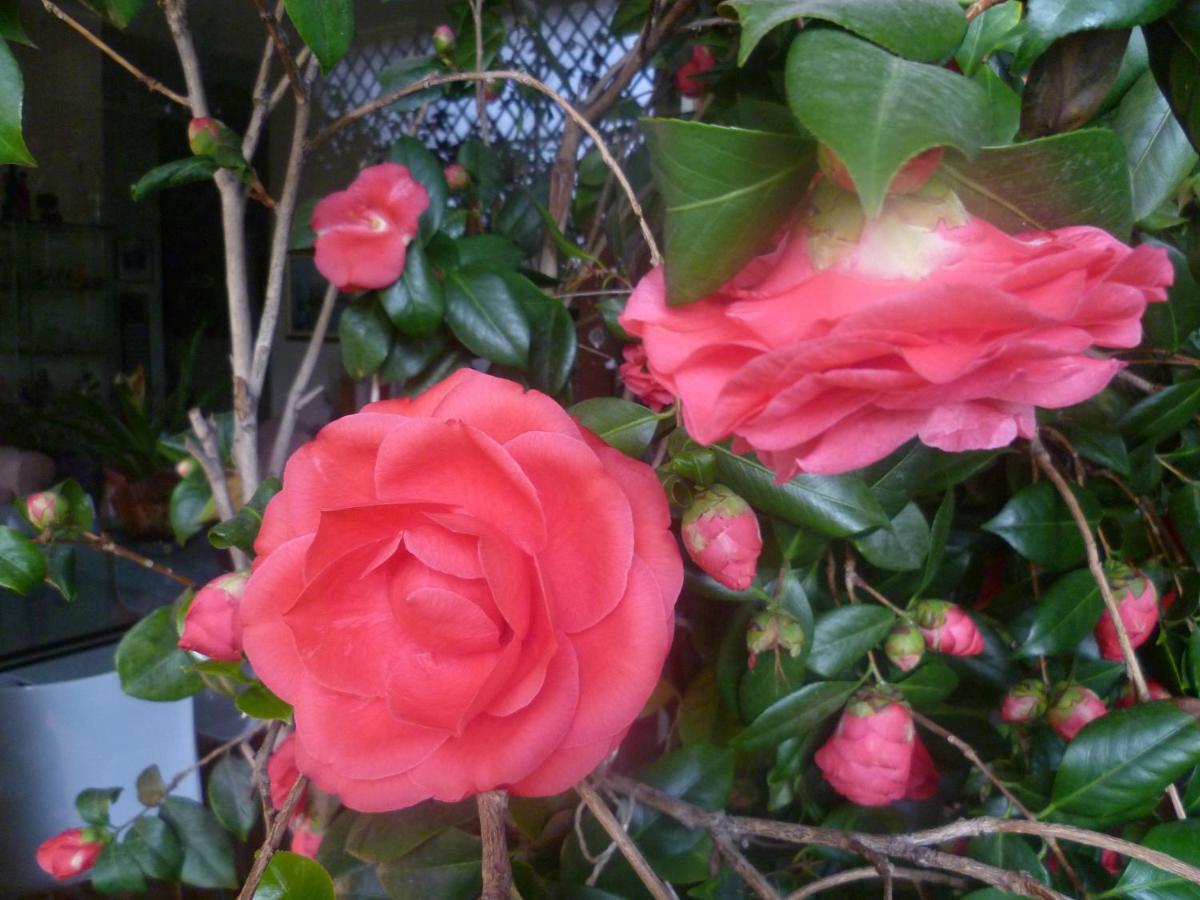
{"points": [[753, 878], [287, 424], [868, 873], [274, 838], [480, 99], [275, 35], [658, 890], [497, 868]]}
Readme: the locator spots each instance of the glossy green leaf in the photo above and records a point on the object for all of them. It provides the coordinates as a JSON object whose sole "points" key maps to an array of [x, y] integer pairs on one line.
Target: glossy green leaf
{"points": [[1117, 767], [844, 635], [207, 854], [11, 28], [834, 505], [446, 866], [231, 795], [118, 12], [1048, 20], [151, 788], [366, 335], [242, 530], [1174, 46], [1142, 881], [1168, 325], [926, 30], [116, 871], [1078, 178], [620, 423], [12, 100], [1184, 507], [156, 848], [325, 26], [173, 174], [416, 302], [409, 357], [487, 251], [1065, 615], [1037, 524], [1008, 851], [93, 804], [877, 111], [259, 703], [915, 471], [484, 315], [191, 505], [939, 534], [1162, 413], [901, 546], [290, 876], [22, 566], [149, 662], [1156, 145], [81, 511], [795, 715], [485, 167], [385, 837], [1099, 443], [427, 171], [1069, 83], [991, 30], [726, 191], [931, 683], [1003, 104], [552, 340]]}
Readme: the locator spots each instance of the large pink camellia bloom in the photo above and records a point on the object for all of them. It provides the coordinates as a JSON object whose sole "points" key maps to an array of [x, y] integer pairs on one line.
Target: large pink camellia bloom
{"points": [[853, 336], [460, 592], [363, 231]]}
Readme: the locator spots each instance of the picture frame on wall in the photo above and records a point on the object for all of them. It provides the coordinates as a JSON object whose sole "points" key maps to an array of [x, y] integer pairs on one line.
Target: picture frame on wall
{"points": [[304, 289], [135, 260]]}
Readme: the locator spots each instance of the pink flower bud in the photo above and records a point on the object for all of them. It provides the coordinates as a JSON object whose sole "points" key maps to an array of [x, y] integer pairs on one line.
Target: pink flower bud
{"points": [[203, 133], [211, 626], [282, 772], [905, 646], [306, 840], [771, 631], [721, 535], [923, 780], [444, 40], [1112, 861], [1137, 602], [869, 758], [457, 177], [1129, 695], [68, 853], [911, 176], [46, 509], [948, 629], [640, 381], [185, 467], [1073, 707], [1024, 702], [688, 80]]}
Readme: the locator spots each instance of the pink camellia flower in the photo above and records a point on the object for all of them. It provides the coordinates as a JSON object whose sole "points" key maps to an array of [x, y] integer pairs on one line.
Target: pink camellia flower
{"points": [[211, 624], [911, 176], [363, 231], [1112, 861], [444, 39], [282, 773], [45, 509], [457, 177], [853, 336], [1073, 707], [67, 854], [688, 80], [1024, 702], [721, 534], [1129, 696], [870, 757], [1137, 602], [461, 592], [947, 628], [640, 382], [306, 840], [905, 646]]}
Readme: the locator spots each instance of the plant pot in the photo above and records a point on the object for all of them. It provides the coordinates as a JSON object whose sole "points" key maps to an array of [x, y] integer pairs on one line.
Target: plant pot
{"points": [[142, 506]]}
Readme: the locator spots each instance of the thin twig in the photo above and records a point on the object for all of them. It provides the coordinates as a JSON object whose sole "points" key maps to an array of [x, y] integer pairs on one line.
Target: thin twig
{"points": [[211, 755], [754, 879], [258, 767], [104, 544], [271, 24], [480, 99], [658, 890], [497, 868], [287, 423], [208, 455], [152, 83], [274, 837], [868, 873], [259, 94]]}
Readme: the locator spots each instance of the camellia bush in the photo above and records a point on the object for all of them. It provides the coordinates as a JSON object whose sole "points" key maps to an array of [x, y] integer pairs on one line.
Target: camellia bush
{"points": [[875, 573]]}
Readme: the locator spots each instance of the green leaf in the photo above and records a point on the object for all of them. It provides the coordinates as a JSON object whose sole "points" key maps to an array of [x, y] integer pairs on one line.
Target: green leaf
{"points": [[938, 535], [117, 870], [366, 336], [81, 512], [1117, 767], [1174, 45], [446, 866], [207, 855], [487, 251], [620, 423], [1004, 106], [156, 848], [151, 665], [552, 340], [409, 357], [93, 804], [486, 317], [191, 505], [1142, 881], [484, 166], [1193, 660], [988, 32], [929, 684], [877, 111], [1078, 178], [1048, 20], [1158, 150], [1185, 513], [11, 28], [119, 12], [385, 837], [726, 192], [290, 876], [259, 703], [427, 171], [173, 174], [795, 715], [22, 566], [1162, 413], [1065, 615], [231, 795], [1037, 524], [242, 530], [12, 98], [1168, 325], [926, 30], [915, 471], [416, 302], [325, 26], [844, 635], [150, 786], [1008, 851], [1069, 84], [834, 505], [902, 546]]}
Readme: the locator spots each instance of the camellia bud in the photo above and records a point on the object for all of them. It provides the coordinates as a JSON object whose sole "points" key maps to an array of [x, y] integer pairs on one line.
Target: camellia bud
{"points": [[1112, 861], [457, 177], [211, 625], [306, 840], [1073, 707], [721, 535], [185, 467], [688, 80], [1129, 694], [203, 134], [444, 40], [1137, 602], [68, 853], [905, 646], [46, 509], [282, 773], [911, 176], [1024, 702], [947, 629], [772, 630]]}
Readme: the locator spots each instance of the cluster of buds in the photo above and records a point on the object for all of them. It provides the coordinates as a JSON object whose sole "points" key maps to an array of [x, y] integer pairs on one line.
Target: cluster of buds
{"points": [[69, 853], [211, 625], [1137, 604], [721, 535], [774, 630]]}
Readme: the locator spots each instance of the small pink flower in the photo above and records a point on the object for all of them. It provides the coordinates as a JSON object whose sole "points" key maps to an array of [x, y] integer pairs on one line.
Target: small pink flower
{"points": [[869, 759], [947, 629], [45, 509], [457, 177], [641, 383], [444, 39], [688, 80], [211, 625], [1024, 702], [363, 231], [67, 854], [721, 535], [305, 839], [1073, 707], [1137, 602], [1129, 695]]}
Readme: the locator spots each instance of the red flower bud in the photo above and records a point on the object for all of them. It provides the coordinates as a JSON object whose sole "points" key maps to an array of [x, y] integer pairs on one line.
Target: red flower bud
{"points": [[306, 840], [948, 629], [923, 780], [211, 625], [67, 854], [1129, 695], [444, 40], [911, 176], [1137, 602], [1073, 707], [721, 535], [282, 773], [688, 80], [46, 509], [1112, 861], [203, 133], [457, 177], [1024, 702], [640, 381], [905, 646]]}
